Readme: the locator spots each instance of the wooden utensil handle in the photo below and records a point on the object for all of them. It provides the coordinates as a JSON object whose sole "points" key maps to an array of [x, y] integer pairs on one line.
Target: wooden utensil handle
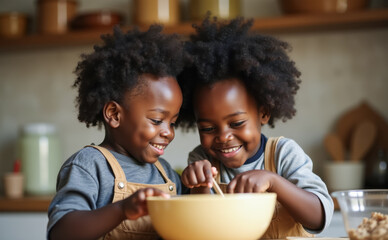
{"points": [[217, 188]]}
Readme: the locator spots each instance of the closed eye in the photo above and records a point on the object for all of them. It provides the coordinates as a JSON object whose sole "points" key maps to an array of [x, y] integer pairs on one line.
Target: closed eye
{"points": [[156, 122], [237, 124], [206, 129]]}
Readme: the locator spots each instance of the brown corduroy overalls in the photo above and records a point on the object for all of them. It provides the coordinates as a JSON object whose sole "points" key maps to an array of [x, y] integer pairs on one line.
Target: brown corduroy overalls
{"points": [[142, 227]]}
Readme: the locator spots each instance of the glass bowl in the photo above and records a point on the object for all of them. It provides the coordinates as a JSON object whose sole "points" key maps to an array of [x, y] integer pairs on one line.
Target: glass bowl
{"points": [[356, 205]]}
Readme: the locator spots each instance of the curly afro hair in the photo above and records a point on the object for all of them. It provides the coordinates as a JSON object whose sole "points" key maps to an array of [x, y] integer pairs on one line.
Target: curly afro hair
{"points": [[115, 67], [226, 49]]}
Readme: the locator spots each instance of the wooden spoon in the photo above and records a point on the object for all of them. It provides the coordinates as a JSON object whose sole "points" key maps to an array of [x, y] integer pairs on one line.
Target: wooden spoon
{"points": [[362, 139], [335, 147], [217, 188]]}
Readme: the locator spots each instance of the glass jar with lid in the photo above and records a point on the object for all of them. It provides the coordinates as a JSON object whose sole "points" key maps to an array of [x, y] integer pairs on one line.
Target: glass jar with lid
{"points": [[41, 157]]}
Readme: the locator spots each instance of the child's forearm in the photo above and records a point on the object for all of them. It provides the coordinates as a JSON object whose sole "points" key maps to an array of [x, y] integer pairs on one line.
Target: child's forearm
{"points": [[88, 224], [304, 206]]}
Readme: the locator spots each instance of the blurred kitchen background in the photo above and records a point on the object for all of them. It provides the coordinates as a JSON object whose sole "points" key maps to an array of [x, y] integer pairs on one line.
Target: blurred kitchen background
{"points": [[341, 68]]}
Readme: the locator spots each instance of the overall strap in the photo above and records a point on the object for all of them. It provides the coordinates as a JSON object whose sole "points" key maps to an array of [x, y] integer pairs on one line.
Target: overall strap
{"points": [[159, 166], [269, 154], [114, 164]]}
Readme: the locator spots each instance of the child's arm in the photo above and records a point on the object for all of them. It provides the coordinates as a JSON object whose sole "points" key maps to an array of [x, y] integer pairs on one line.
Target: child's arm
{"points": [[198, 176], [94, 224], [304, 206]]}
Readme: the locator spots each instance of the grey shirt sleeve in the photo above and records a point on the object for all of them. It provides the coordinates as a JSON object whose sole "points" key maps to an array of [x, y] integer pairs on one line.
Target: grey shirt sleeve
{"points": [[297, 167], [77, 187]]}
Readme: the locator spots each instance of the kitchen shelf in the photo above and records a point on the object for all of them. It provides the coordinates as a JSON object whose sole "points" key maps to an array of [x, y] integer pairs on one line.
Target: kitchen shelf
{"points": [[372, 18], [25, 204]]}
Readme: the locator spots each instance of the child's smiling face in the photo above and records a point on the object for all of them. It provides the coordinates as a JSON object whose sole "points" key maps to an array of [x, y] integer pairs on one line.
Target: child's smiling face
{"points": [[147, 119], [228, 121]]}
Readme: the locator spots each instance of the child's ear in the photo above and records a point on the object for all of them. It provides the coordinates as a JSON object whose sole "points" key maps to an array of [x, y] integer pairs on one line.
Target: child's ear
{"points": [[264, 115], [112, 114]]}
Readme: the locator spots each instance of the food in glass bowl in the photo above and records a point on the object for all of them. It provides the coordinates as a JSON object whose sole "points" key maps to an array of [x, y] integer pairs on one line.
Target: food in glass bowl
{"points": [[375, 227], [363, 211]]}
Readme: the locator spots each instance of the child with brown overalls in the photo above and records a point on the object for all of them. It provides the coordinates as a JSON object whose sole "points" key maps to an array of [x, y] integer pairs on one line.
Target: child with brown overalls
{"points": [[129, 86], [238, 82]]}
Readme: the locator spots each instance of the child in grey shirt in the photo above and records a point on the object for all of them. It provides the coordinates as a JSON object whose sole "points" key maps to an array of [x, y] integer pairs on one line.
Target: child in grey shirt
{"points": [[238, 82]]}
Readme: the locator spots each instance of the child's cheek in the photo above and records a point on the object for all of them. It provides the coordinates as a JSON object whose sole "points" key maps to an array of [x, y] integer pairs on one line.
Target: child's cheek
{"points": [[148, 132], [206, 141]]}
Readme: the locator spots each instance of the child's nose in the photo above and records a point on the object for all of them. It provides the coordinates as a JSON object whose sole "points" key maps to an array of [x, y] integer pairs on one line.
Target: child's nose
{"points": [[167, 132], [225, 137]]}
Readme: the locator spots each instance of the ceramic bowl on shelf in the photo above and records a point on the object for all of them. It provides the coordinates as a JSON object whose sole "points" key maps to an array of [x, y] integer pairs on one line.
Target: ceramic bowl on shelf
{"points": [[357, 205], [96, 20], [322, 6], [205, 216]]}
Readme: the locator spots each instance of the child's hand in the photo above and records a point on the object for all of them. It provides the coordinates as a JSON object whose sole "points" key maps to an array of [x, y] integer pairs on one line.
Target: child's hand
{"points": [[135, 206], [254, 181], [199, 174]]}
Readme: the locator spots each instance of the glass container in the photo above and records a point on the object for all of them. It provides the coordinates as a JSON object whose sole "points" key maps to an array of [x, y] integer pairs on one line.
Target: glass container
{"points": [[41, 157], [357, 205]]}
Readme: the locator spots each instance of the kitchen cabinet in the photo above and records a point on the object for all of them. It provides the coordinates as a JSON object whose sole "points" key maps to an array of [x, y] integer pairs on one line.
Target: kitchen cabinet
{"points": [[372, 18]]}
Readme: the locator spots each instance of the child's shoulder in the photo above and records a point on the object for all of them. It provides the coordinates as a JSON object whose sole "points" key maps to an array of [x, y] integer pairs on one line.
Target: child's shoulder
{"points": [[86, 158], [287, 143], [288, 150], [287, 147]]}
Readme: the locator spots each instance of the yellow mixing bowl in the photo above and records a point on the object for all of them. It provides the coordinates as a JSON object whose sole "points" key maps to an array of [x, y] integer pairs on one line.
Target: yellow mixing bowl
{"points": [[235, 216]]}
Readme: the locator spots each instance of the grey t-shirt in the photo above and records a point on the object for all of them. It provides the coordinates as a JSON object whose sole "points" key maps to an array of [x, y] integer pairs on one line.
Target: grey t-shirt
{"points": [[86, 181], [291, 163]]}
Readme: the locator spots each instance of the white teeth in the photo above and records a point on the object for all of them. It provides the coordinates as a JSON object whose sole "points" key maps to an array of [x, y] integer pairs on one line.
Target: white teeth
{"points": [[159, 146], [228, 150]]}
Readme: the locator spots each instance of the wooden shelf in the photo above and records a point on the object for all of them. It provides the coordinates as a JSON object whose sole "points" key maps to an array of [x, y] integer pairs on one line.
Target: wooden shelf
{"points": [[26, 204], [319, 22], [285, 24]]}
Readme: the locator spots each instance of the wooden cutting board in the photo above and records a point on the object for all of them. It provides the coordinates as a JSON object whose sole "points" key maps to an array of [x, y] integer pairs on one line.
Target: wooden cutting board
{"points": [[348, 121]]}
